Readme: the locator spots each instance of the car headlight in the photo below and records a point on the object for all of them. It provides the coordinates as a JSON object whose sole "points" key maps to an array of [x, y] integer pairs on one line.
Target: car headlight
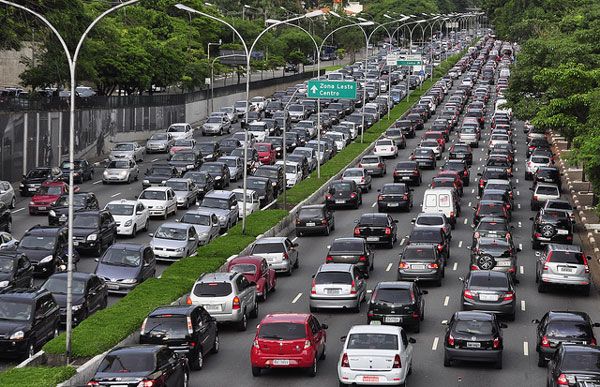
{"points": [[159, 207], [22, 185], [128, 223], [4, 284], [163, 182], [145, 181], [47, 259], [222, 218], [92, 237], [31, 203], [190, 166], [122, 174], [18, 335], [52, 213], [129, 281], [217, 177], [180, 249], [209, 156], [76, 307]]}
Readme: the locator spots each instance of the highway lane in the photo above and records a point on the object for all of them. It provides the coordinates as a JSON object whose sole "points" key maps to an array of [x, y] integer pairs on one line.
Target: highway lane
{"points": [[520, 360]]}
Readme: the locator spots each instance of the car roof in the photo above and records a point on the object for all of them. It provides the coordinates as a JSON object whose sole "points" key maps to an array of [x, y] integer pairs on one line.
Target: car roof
{"points": [[137, 348], [327, 267], [488, 273], [179, 180], [201, 211], [123, 201], [22, 294], [318, 206], [270, 240], [76, 275], [217, 277], [246, 259], [563, 247], [173, 309], [567, 315], [176, 225], [389, 329], [219, 193], [285, 317], [164, 189], [472, 315], [43, 230], [395, 284], [128, 246]]}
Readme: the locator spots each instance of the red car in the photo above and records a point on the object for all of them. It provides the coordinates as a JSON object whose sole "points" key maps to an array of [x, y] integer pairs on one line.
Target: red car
{"points": [[255, 269], [455, 175], [46, 195], [182, 144], [266, 153], [288, 340]]}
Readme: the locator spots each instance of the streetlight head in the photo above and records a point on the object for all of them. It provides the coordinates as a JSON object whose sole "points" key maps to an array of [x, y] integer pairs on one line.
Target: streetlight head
{"points": [[247, 6], [387, 16], [334, 14], [366, 23], [362, 19], [272, 21], [316, 13], [185, 8]]}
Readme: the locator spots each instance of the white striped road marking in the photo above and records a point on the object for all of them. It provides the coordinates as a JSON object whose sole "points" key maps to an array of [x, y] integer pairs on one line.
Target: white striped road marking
{"points": [[516, 159], [525, 348], [523, 305], [478, 168], [446, 300], [517, 180], [516, 169], [97, 182], [436, 340], [466, 220], [374, 204], [154, 160], [401, 241], [297, 298], [18, 210], [472, 190], [521, 269], [519, 205], [455, 266], [469, 205], [295, 239], [520, 225], [460, 243], [389, 267], [520, 246], [115, 195], [518, 192]]}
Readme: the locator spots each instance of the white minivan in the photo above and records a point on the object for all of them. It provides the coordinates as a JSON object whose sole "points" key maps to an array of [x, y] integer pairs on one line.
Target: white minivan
{"points": [[442, 200]]}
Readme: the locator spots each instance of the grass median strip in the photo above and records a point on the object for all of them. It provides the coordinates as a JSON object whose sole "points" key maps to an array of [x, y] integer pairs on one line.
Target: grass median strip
{"points": [[36, 376]]}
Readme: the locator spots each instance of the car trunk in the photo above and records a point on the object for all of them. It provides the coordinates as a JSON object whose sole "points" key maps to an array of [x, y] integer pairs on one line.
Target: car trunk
{"points": [[371, 360]]}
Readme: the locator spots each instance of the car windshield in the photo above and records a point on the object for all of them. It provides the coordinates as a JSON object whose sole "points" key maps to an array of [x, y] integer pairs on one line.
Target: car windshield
{"points": [[196, 177], [587, 361], [257, 184], [169, 324], [393, 133], [7, 264], [160, 137], [268, 248], [347, 246], [90, 221], [206, 148], [373, 220], [214, 120], [122, 257], [353, 173], [50, 190], [123, 147], [78, 201], [38, 173], [120, 209], [183, 142], [488, 281], [393, 296], [229, 142], [172, 233], [31, 242], [122, 363], [58, 285], [473, 327], [118, 164], [15, 311], [183, 156], [161, 171], [370, 160], [229, 162], [153, 195], [215, 203], [263, 148], [380, 341], [310, 213], [199, 219], [212, 289], [572, 257], [333, 277], [240, 196], [491, 226], [262, 172], [244, 268], [539, 160], [66, 165], [282, 331], [215, 169], [176, 129], [177, 185]]}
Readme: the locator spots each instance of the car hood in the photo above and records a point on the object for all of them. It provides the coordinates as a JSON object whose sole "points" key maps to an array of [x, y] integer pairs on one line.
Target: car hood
{"points": [[157, 177], [36, 180], [121, 153], [117, 272], [7, 328], [34, 255], [61, 299], [6, 276], [64, 209], [168, 243], [181, 162], [156, 142], [217, 211], [84, 232], [44, 198]]}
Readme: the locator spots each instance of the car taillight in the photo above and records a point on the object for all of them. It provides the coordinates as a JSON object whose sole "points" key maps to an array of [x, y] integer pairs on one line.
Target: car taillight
{"points": [[255, 344], [379, 197], [468, 294], [188, 300], [380, 165], [545, 342], [593, 341], [286, 256], [190, 328], [93, 383], [147, 383], [307, 344], [328, 196], [353, 288], [496, 343], [235, 303], [465, 173], [403, 265], [535, 197], [476, 234], [329, 258], [585, 263], [562, 380], [509, 296], [388, 231], [324, 221], [397, 362], [356, 231], [451, 214], [362, 258], [432, 266], [359, 165], [313, 288], [345, 362], [416, 315], [450, 340], [440, 247]]}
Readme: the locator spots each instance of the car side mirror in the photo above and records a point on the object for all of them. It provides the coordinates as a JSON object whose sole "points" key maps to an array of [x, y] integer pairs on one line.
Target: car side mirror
{"points": [[536, 321], [531, 218], [461, 279], [295, 245], [96, 259], [343, 339], [413, 220], [479, 174], [531, 189], [324, 326], [151, 235], [424, 291], [412, 340], [519, 249], [503, 326]]}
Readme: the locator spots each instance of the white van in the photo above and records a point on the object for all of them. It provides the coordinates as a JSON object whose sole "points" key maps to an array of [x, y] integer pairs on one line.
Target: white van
{"points": [[441, 200], [502, 108]]}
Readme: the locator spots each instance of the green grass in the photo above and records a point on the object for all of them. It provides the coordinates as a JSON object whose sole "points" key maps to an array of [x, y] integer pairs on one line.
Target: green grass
{"points": [[35, 376], [333, 67]]}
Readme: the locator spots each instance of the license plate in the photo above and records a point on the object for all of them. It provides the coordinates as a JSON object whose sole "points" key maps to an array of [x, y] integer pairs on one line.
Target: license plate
{"points": [[417, 267], [375, 322], [393, 319], [562, 232], [488, 297], [473, 345], [405, 177], [393, 204], [281, 362], [372, 239], [113, 287], [75, 243], [566, 270], [503, 263], [370, 379], [32, 189], [332, 291], [214, 308], [311, 224], [340, 201], [42, 208]]}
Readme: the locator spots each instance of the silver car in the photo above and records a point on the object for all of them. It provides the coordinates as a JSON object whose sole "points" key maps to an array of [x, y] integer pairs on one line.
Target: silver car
{"points": [[359, 176], [564, 265], [216, 125], [160, 143], [186, 192], [235, 165], [127, 150], [231, 114], [173, 241], [430, 220], [228, 297], [337, 286], [280, 253], [205, 222], [7, 194], [120, 171], [373, 164]]}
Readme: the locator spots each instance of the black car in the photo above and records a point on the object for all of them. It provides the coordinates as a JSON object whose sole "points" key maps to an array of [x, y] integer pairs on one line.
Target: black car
{"points": [[548, 175], [263, 187], [461, 167], [574, 365], [407, 127], [158, 174], [394, 196], [203, 181], [90, 294], [93, 231], [343, 193], [494, 208], [185, 160], [186, 329], [551, 227], [490, 291], [492, 227], [316, 218], [461, 151], [155, 365], [424, 157], [474, 337], [227, 145], [59, 210], [210, 151], [490, 173], [423, 262], [219, 171], [15, 271], [558, 327], [30, 318], [275, 173], [431, 235], [35, 177], [82, 171], [498, 254], [5, 218], [408, 172], [46, 248], [377, 229], [397, 303], [499, 195], [352, 250], [277, 144], [416, 119], [251, 157], [536, 143]]}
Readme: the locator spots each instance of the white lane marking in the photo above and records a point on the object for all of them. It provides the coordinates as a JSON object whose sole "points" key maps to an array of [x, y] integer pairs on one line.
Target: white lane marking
{"points": [[480, 159], [466, 220], [516, 169], [295, 239], [472, 190], [374, 204], [520, 246], [525, 348], [460, 243], [517, 180], [516, 159], [455, 266], [297, 298], [436, 340], [97, 182], [518, 193], [446, 300], [520, 225], [18, 210], [389, 267], [469, 205], [115, 195], [402, 242], [523, 305], [519, 205], [521, 269], [154, 160]]}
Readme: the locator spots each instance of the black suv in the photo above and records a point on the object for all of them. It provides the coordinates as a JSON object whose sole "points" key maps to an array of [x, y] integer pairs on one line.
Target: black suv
{"points": [[397, 303], [158, 174], [204, 181], [46, 248], [30, 318], [342, 193], [275, 173], [93, 231], [186, 329], [185, 160], [394, 196], [573, 363], [219, 171], [15, 270], [431, 236], [59, 210], [377, 228], [35, 177], [82, 171], [551, 227]]}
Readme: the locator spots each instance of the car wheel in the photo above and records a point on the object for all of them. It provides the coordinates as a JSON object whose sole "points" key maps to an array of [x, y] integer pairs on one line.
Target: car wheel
{"points": [[297, 263], [197, 360], [166, 215], [324, 353], [146, 224], [98, 251], [511, 317], [327, 231], [541, 287], [499, 364], [254, 313], [13, 202], [243, 324], [417, 328], [256, 371], [216, 344], [312, 371], [447, 361], [104, 302], [263, 298], [541, 361], [134, 231]]}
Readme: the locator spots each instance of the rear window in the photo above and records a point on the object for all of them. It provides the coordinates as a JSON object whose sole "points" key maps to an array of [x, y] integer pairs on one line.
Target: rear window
{"points": [[310, 213], [427, 236], [393, 296], [405, 165], [559, 205], [488, 281], [333, 277], [370, 160], [570, 329], [127, 362], [340, 187], [473, 327], [373, 341], [433, 200], [540, 160], [168, 323], [282, 331], [347, 245], [370, 220], [588, 361], [572, 257], [393, 189], [212, 289], [430, 221], [546, 190], [418, 254], [267, 248]]}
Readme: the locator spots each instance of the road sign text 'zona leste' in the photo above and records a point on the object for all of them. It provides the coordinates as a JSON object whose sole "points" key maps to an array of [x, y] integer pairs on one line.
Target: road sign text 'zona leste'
{"points": [[331, 89]]}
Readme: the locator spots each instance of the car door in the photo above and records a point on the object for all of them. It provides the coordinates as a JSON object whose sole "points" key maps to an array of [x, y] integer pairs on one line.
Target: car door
{"points": [[24, 273], [405, 353], [96, 294], [167, 366], [210, 330], [317, 335], [192, 240], [290, 248], [171, 202], [148, 264], [246, 292], [44, 322], [361, 287], [141, 215]]}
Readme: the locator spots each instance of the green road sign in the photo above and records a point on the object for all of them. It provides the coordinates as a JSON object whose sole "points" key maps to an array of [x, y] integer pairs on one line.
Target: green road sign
{"points": [[409, 63], [331, 89]]}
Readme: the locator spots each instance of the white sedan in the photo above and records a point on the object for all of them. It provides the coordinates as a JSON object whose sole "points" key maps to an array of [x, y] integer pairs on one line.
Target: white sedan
{"points": [[385, 148], [375, 355], [130, 216]]}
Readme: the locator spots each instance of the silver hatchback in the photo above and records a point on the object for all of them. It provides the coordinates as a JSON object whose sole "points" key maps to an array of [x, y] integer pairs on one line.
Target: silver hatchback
{"points": [[562, 265], [337, 286]]}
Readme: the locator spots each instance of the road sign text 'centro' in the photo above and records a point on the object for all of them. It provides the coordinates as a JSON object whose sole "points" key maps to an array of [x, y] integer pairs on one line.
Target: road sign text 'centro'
{"points": [[331, 89]]}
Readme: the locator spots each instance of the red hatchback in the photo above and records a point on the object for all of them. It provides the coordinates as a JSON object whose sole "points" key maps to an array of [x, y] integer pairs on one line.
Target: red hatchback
{"points": [[255, 269], [46, 195], [288, 340], [266, 153]]}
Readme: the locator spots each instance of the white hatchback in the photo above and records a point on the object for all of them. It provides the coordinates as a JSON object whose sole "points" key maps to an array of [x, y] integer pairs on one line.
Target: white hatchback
{"points": [[161, 201], [386, 148], [130, 216], [375, 355]]}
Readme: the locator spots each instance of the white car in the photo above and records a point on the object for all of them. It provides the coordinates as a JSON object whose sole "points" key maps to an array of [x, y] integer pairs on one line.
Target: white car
{"points": [[241, 136], [127, 150], [534, 163], [230, 112], [259, 103], [339, 139], [252, 201], [433, 145], [161, 201], [293, 172], [376, 355], [352, 127], [498, 138], [181, 130], [385, 148], [120, 171], [259, 130], [130, 216]]}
